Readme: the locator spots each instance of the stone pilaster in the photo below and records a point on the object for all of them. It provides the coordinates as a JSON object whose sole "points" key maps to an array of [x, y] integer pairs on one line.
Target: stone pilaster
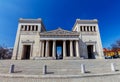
{"points": [[43, 44], [40, 54]]}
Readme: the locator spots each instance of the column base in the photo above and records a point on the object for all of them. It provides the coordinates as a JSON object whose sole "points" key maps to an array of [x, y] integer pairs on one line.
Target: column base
{"points": [[71, 58], [13, 58], [44, 58]]}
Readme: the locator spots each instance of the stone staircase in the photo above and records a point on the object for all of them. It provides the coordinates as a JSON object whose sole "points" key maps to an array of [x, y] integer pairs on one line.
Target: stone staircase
{"points": [[58, 67]]}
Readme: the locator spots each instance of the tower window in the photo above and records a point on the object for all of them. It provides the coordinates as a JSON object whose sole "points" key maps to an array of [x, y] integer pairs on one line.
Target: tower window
{"points": [[25, 27], [36, 27], [29, 28], [32, 27], [90, 28], [22, 27], [94, 28], [87, 28], [84, 28], [80, 28]]}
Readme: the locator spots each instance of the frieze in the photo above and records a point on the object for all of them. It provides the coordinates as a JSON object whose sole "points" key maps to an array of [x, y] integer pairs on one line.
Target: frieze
{"points": [[27, 41]]}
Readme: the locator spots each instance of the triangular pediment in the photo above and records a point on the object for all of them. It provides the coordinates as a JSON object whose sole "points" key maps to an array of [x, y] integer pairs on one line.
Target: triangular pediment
{"points": [[60, 31]]}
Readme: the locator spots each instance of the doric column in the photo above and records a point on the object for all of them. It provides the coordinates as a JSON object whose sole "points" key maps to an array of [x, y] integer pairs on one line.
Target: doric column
{"points": [[47, 49], [71, 48], [40, 54], [64, 48], [77, 49], [43, 44], [54, 49]]}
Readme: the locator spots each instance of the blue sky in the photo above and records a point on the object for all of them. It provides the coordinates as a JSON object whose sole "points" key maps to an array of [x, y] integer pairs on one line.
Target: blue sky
{"points": [[60, 13]]}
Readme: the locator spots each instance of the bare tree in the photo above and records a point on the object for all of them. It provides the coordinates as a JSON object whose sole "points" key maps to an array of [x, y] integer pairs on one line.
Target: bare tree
{"points": [[5, 53], [116, 45]]}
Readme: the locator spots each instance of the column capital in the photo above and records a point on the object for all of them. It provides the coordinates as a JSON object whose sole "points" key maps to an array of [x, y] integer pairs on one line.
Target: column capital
{"points": [[47, 40], [71, 40], [64, 40], [54, 40], [77, 40]]}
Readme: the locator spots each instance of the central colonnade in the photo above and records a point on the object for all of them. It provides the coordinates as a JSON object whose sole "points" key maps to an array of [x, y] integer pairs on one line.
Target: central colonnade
{"points": [[70, 48]]}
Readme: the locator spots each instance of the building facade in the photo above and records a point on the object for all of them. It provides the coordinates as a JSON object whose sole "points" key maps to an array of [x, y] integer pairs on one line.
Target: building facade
{"points": [[34, 42]]}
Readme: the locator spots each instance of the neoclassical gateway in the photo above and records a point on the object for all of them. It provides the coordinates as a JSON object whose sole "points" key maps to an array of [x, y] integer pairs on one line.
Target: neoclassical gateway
{"points": [[34, 42]]}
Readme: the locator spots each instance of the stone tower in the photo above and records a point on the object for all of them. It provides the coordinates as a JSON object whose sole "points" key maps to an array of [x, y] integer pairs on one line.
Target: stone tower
{"points": [[90, 41], [27, 38]]}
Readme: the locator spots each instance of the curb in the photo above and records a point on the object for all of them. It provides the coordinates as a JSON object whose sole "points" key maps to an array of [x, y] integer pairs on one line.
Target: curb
{"points": [[57, 76]]}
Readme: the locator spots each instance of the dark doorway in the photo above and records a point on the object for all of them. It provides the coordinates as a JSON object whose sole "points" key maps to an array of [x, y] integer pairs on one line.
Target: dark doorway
{"points": [[26, 52], [59, 50], [90, 52]]}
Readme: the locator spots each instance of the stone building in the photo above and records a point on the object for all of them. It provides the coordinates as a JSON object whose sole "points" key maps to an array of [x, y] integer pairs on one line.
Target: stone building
{"points": [[34, 42]]}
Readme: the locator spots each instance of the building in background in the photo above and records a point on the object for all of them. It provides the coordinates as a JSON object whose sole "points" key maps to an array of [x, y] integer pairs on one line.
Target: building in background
{"points": [[111, 53]]}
